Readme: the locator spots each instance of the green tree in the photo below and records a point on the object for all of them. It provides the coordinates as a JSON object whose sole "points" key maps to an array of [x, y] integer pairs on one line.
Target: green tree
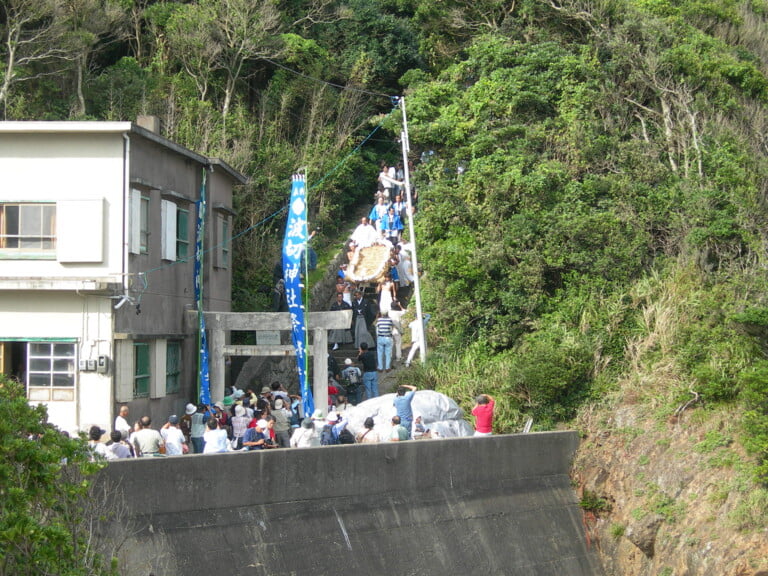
{"points": [[213, 36], [32, 43], [45, 498], [90, 23]]}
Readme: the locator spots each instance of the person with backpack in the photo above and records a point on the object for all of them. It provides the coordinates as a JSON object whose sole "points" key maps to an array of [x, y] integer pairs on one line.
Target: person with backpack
{"points": [[335, 431], [352, 378], [346, 436]]}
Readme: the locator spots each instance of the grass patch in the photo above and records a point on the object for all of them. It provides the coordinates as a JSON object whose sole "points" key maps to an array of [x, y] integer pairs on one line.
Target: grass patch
{"points": [[752, 512], [617, 531], [629, 435], [667, 507], [592, 502], [712, 441]]}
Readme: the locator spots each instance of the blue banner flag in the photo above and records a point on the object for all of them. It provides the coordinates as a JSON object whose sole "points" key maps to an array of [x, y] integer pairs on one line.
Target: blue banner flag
{"points": [[204, 377], [294, 244]]}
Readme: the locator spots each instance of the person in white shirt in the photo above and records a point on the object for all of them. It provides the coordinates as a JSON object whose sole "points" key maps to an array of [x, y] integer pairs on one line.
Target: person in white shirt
{"points": [[121, 422], [417, 336], [118, 448], [306, 435], [173, 437], [97, 447], [215, 438], [364, 235]]}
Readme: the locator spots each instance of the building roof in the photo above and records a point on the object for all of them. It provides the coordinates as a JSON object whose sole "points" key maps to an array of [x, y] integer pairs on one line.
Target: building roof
{"points": [[94, 127]]}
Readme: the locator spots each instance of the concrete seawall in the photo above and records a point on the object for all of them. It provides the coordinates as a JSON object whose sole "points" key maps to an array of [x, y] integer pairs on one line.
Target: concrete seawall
{"points": [[485, 506]]}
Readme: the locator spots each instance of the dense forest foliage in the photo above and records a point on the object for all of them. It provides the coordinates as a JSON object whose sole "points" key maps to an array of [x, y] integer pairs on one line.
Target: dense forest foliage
{"points": [[593, 208]]}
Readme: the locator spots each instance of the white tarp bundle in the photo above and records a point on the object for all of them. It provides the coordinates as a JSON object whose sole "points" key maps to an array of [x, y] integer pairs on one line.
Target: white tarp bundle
{"points": [[441, 415]]}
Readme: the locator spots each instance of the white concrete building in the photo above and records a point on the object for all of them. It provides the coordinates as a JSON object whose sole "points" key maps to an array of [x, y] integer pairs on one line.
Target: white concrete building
{"points": [[97, 243]]}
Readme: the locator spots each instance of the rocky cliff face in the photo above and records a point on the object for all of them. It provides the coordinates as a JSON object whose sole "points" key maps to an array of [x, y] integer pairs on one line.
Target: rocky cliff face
{"points": [[669, 496]]}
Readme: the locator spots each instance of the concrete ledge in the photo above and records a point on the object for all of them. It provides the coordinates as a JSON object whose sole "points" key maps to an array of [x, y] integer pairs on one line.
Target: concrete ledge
{"points": [[496, 505]]}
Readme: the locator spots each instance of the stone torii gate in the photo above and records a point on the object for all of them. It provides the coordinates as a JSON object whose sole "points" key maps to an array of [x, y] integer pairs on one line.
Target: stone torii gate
{"points": [[318, 323]]}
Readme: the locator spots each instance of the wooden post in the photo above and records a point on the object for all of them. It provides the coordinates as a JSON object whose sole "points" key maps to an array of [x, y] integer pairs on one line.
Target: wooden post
{"points": [[217, 363], [320, 368]]}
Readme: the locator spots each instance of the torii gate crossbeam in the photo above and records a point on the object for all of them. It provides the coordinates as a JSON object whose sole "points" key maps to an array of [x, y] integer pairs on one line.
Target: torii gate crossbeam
{"points": [[220, 323]]}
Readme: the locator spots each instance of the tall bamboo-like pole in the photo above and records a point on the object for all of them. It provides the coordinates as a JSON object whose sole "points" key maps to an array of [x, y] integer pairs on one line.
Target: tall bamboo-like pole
{"points": [[414, 259]]}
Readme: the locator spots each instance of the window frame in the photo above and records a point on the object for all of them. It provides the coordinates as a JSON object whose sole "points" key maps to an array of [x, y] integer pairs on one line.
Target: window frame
{"points": [[173, 363], [46, 242], [223, 241], [182, 234], [60, 365], [144, 222], [142, 351]]}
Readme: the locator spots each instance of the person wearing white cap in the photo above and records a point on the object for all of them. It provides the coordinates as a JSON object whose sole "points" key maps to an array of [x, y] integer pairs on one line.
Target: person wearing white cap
{"points": [[332, 429], [239, 426], [185, 423], [256, 438], [352, 377]]}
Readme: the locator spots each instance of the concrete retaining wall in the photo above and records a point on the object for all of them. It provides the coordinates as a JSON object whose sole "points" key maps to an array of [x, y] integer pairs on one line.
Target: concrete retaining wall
{"points": [[496, 505]]}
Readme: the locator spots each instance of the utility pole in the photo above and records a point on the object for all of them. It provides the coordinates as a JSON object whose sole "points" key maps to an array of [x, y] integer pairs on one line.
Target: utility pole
{"points": [[414, 259]]}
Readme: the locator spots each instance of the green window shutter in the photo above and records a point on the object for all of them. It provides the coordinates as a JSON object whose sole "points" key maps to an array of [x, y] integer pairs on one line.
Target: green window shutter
{"points": [[141, 372], [173, 367], [182, 234]]}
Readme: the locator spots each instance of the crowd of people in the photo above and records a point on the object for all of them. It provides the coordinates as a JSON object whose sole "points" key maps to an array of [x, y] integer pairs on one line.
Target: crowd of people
{"points": [[377, 297], [273, 418], [246, 421]]}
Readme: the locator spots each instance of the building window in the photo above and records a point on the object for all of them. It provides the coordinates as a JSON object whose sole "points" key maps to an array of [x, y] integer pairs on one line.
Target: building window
{"points": [[141, 370], [28, 227], [173, 367], [223, 242], [50, 371], [144, 224], [182, 234], [226, 241]]}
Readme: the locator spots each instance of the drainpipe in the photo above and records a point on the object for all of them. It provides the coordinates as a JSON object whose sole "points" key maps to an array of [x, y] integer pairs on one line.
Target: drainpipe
{"points": [[126, 254], [126, 209]]}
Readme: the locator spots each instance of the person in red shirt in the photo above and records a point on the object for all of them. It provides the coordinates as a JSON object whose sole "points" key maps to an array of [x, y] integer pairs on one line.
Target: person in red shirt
{"points": [[483, 413]]}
